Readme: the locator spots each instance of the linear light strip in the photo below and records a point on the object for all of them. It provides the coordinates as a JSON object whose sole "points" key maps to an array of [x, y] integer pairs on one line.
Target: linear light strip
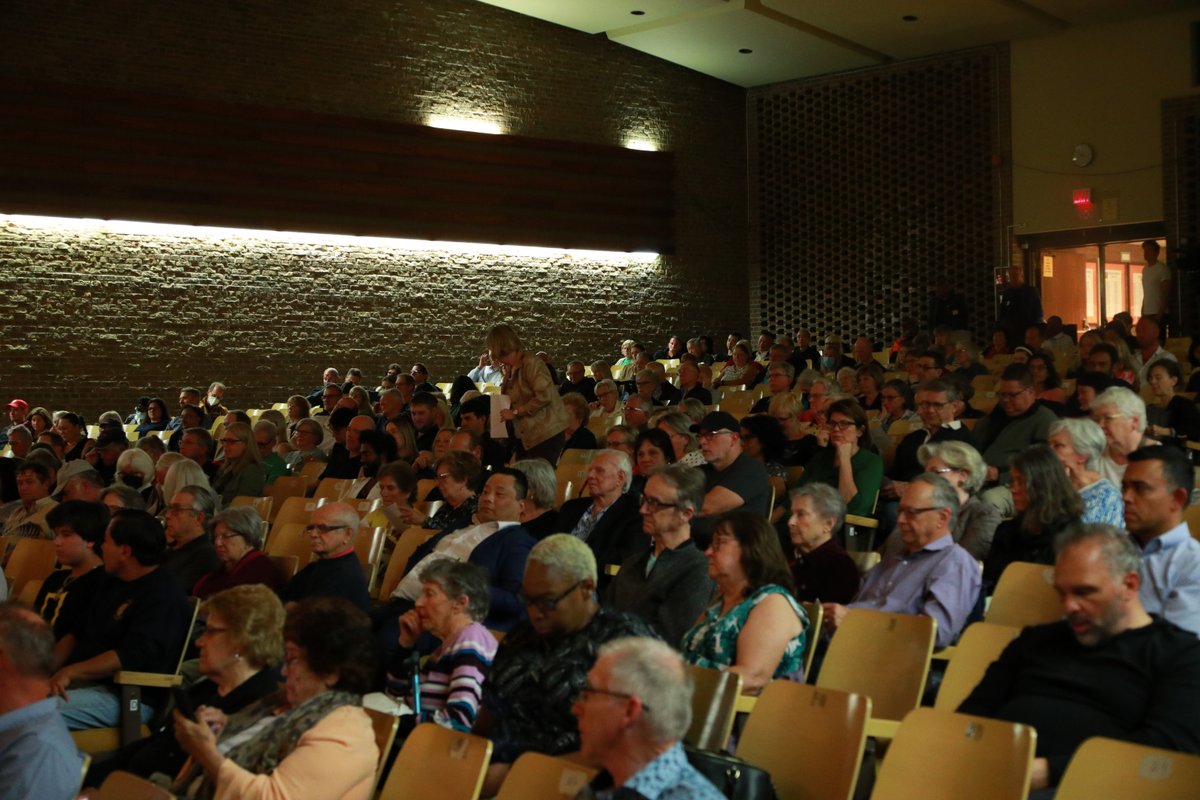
{"points": [[129, 227]]}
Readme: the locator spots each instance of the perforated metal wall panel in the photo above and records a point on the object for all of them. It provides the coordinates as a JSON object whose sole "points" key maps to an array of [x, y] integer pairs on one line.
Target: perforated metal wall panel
{"points": [[867, 186]]}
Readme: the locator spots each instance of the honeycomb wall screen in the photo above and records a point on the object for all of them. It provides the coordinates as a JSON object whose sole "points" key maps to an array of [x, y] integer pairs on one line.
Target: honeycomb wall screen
{"points": [[866, 187]]}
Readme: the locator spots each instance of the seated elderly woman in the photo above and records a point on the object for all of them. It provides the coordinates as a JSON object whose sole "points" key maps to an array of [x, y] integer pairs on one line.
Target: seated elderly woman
{"points": [[452, 605], [742, 369], [754, 626], [1046, 505], [239, 648], [458, 473], [241, 471], [542, 664], [964, 469], [822, 569], [1079, 444], [135, 469], [312, 739], [306, 445], [237, 535]]}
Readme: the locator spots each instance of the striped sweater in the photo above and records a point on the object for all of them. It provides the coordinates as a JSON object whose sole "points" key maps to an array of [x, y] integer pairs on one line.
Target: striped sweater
{"points": [[452, 678]]}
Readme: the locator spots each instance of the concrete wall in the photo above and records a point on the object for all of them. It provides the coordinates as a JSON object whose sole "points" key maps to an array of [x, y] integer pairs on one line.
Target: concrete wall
{"points": [[1101, 86], [94, 317]]}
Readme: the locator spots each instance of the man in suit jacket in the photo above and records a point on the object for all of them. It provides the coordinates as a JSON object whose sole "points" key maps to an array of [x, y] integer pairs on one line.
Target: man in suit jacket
{"points": [[609, 519]]}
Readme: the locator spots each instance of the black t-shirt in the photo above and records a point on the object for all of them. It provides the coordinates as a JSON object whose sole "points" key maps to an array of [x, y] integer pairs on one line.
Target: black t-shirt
{"points": [[330, 577], [62, 599]]}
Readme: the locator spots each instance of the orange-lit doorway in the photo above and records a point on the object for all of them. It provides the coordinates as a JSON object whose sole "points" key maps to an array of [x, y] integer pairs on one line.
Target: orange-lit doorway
{"points": [[1091, 279]]}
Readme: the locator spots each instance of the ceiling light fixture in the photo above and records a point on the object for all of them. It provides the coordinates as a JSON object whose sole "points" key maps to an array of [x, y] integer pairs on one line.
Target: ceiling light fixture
{"points": [[637, 13], [909, 18], [465, 124], [745, 50]]}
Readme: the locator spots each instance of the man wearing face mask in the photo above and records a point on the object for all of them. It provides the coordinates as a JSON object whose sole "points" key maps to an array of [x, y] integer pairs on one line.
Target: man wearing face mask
{"points": [[833, 356], [213, 400]]}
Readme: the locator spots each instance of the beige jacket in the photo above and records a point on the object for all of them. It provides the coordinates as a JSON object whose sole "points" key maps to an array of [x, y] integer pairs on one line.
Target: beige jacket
{"points": [[540, 412]]}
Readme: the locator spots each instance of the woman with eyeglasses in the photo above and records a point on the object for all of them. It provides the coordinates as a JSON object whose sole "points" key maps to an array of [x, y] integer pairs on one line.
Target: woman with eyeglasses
{"points": [[457, 473], [306, 443], [753, 626], [240, 646], [241, 471], [238, 539], [849, 463], [1046, 505], [312, 738]]}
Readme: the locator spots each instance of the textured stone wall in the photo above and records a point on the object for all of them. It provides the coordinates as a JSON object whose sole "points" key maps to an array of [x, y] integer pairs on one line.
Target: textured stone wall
{"points": [[92, 319]]}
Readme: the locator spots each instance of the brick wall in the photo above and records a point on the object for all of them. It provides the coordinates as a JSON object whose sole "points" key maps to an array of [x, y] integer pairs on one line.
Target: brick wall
{"points": [[93, 319]]}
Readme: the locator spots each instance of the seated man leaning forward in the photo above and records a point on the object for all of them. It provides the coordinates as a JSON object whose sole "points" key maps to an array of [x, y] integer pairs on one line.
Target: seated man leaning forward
{"points": [[932, 575], [636, 707], [137, 622], [335, 570], [542, 664], [1108, 669]]}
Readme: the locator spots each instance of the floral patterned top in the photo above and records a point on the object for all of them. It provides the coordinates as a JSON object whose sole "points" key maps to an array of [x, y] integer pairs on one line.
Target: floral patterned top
{"points": [[1102, 503], [712, 642]]}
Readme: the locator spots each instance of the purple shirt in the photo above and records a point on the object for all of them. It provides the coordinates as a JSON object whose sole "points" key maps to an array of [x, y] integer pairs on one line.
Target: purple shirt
{"points": [[941, 580]]}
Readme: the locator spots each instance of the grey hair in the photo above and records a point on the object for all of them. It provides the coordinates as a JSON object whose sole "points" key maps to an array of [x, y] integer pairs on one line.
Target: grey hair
{"points": [[943, 495], [958, 455], [688, 483], [831, 386], [138, 460], [565, 554], [204, 500], [1086, 437], [181, 474], [541, 483], [826, 502], [807, 376], [318, 428], [679, 423], [26, 641], [129, 497], [1120, 554], [345, 514], [268, 426], [651, 670], [109, 415], [607, 383], [1124, 400], [693, 408], [623, 463], [639, 402], [21, 432], [458, 579], [244, 521]]}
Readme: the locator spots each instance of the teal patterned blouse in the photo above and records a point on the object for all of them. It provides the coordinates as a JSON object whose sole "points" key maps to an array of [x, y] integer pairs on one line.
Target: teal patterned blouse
{"points": [[712, 642]]}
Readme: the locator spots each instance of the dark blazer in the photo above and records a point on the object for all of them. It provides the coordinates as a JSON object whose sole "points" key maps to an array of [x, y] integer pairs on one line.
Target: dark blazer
{"points": [[503, 555], [698, 392], [617, 535], [586, 387]]}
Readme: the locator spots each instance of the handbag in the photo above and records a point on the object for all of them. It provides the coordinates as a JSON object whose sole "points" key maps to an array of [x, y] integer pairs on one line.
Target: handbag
{"points": [[733, 777]]}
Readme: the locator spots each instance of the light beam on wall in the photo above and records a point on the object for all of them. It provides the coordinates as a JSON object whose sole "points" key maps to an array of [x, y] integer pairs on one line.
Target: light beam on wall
{"points": [[129, 227], [464, 124], [641, 144]]}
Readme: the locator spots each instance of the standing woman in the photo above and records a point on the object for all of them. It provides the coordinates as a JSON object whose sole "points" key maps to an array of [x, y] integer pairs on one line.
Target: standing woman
{"points": [[241, 471], [537, 412]]}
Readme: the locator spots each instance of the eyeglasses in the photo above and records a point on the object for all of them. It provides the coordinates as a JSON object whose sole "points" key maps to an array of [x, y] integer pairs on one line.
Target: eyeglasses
{"points": [[180, 509], [1107, 417], [586, 690], [720, 540], [913, 512], [210, 630], [653, 504], [547, 604], [931, 404], [222, 537], [841, 424], [324, 528]]}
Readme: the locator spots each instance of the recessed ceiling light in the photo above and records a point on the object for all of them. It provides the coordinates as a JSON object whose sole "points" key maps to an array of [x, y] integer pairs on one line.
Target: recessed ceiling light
{"points": [[637, 13], [745, 50], [909, 18]]}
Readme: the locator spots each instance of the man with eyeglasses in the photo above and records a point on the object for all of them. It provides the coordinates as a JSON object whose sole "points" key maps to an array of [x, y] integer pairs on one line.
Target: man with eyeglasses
{"points": [[577, 381], [335, 570], [1018, 421], [938, 404], [542, 664], [731, 478], [666, 583], [632, 714], [330, 375], [931, 575], [190, 555], [779, 381]]}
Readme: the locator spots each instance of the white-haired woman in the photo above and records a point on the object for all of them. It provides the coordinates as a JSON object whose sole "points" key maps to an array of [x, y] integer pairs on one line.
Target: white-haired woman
{"points": [[135, 469], [1079, 444], [964, 469]]}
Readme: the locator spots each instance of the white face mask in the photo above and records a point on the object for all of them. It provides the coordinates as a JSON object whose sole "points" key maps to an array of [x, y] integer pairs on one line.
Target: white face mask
{"points": [[213, 400]]}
